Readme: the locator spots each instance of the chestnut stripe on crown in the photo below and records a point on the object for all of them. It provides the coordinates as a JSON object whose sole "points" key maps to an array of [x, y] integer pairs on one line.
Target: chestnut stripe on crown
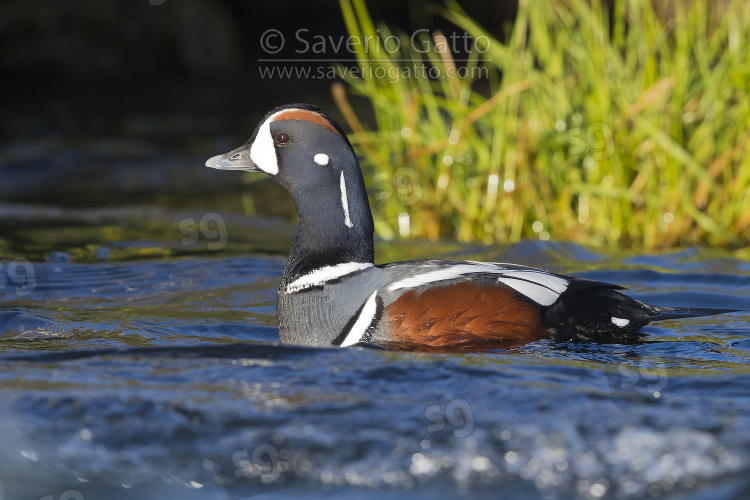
{"points": [[309, 116]]}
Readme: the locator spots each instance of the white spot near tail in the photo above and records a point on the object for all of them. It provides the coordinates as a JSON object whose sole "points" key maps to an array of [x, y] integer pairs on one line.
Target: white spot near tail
{"points": [[365, 319], [345, 202], [321, 159], [620, 321]]}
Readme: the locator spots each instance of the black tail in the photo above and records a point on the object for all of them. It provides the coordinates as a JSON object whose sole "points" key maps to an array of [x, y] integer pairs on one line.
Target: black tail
{"points": [[605, 315], [686, 312]]}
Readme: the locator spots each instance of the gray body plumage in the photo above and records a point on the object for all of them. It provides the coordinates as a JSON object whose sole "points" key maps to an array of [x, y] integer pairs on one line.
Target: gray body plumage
{"points": [[321, 313]]}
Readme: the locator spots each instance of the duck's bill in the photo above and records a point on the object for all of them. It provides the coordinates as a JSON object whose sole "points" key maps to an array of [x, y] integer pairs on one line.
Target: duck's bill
{"points": [[239, 159]]}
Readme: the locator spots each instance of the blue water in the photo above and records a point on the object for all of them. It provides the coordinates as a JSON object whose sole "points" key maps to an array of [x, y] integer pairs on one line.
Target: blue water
{"points": [[163, 378]]}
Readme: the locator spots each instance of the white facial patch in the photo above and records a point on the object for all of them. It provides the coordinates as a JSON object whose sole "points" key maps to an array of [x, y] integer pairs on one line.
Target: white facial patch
{"points": [[620, 321], [365, 319], [542, 288], [263, 150], [321, 159], [345, 202]]}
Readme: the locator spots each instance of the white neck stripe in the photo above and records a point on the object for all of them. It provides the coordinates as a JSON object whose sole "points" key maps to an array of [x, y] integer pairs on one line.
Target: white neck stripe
{"points": [[324, 274], [345, 202], [365, 319]]}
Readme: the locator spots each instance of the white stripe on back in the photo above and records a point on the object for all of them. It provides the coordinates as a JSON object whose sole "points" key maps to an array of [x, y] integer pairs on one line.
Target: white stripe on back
{"points": [[447, 273], [363, 322], [552, 282], [537, 293], [324, 274], [535, 284]]}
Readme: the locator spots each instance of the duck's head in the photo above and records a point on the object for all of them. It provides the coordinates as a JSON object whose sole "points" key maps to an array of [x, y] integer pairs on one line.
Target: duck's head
{"points": [[307, 152]]}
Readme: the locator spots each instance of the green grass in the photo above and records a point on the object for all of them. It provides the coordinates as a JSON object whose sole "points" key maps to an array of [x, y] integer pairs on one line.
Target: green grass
{"points": [[630, 133]]}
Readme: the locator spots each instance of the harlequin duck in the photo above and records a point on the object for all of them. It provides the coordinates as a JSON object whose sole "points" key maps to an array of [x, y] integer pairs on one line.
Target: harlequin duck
{"points": [[331, 293]]}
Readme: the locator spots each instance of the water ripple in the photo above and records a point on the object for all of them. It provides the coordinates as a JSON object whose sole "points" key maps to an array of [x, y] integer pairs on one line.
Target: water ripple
{"points": [[164, 379]]}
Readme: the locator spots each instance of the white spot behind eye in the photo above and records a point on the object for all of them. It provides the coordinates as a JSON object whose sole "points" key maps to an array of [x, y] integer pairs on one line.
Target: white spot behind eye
{"points": [[321, 159]]}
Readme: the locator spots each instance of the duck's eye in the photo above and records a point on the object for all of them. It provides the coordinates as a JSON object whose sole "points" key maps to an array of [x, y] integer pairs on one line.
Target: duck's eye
{"points": [[282, 138], [236, 156]]}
